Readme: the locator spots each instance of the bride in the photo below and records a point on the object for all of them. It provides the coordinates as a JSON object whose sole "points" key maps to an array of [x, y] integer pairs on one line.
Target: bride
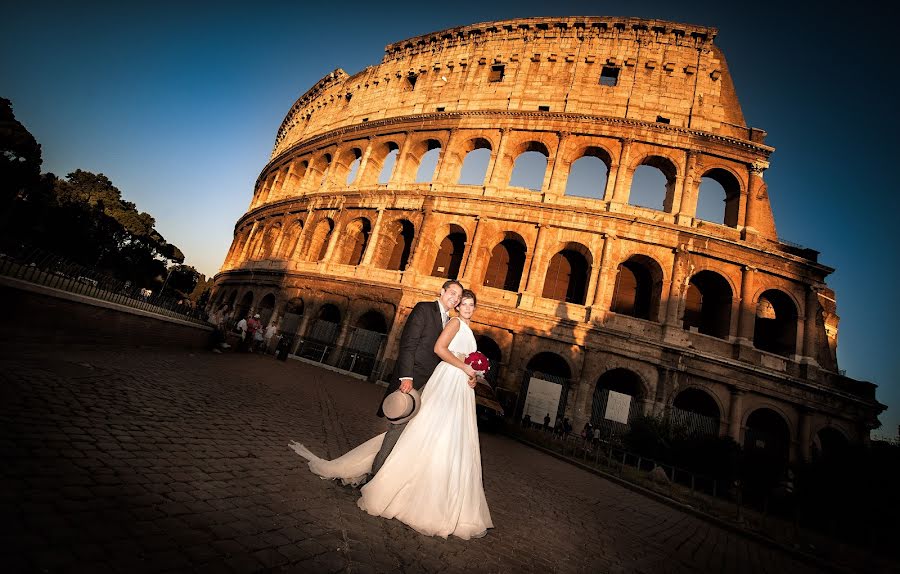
{"points": [[432, 479]]}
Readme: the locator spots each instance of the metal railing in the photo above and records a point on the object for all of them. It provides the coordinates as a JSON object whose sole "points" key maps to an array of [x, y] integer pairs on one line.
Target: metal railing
{"points": [[41, 267]]}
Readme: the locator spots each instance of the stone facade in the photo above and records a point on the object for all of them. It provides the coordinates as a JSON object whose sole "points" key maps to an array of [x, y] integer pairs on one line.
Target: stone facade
{"points": [[349, 226]]}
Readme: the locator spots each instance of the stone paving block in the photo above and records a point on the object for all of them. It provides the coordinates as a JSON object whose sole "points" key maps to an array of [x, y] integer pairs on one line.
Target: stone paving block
{"points": [[208, 483]]}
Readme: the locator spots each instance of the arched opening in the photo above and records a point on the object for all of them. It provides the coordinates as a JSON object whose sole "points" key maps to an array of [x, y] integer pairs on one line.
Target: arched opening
{"points": [[831, 443], [450, 254], [319, 171], [318, 242], [553, 376], [567, 275], [327, 326], [530, 167], [266, 306], [589, 174], [507, 264], [291, 238], [294, 177], [696, 411], [293, 314], [653, 184], [352, 243], [707, 307], [428, 162], [638, 288], [394, 245], [492, 351], [388, 163], [617, 396], [547, 363], [229, 302], [718, 197], [768, 433], [775, 329], [476, 162], [243, 308]]}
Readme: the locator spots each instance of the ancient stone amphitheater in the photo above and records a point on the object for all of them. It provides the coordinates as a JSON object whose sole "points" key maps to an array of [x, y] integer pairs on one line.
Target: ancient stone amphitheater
{"points": [[508, 155]]}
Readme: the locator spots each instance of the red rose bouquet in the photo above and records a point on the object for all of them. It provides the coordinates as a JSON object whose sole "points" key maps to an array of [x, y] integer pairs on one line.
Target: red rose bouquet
{"points": [[478, 362]]}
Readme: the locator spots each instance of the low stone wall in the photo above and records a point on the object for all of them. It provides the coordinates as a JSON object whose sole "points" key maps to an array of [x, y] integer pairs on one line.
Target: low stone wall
{"points": [[37, 314]]}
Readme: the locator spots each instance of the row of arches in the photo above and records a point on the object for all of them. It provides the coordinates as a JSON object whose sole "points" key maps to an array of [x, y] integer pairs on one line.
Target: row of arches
{"points": [[365, 329], [586, 168], [708, 301]]}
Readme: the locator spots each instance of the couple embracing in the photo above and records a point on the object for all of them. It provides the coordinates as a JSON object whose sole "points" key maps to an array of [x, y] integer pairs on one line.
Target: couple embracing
{"points": [[426, 472]]}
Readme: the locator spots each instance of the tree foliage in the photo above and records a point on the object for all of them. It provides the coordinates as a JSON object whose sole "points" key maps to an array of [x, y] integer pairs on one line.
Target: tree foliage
{"points": [[82, 217]]}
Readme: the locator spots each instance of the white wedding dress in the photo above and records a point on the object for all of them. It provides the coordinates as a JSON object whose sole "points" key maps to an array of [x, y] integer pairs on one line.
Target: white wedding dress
{"points": [[432, 479]]}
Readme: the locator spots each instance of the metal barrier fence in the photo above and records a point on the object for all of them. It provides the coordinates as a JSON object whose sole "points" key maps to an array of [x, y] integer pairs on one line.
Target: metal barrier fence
{"points": [[50, 270]]}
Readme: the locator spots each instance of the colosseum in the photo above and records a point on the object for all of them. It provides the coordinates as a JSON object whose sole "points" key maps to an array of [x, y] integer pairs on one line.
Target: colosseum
{"points": [[507, 155]]}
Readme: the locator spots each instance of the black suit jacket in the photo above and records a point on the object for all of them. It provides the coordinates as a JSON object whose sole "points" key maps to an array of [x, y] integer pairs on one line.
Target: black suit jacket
{"points": [[416, 357]]}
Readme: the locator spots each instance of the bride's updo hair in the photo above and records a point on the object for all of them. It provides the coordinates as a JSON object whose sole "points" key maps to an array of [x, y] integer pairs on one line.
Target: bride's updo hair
{"points": [[467, 294]]}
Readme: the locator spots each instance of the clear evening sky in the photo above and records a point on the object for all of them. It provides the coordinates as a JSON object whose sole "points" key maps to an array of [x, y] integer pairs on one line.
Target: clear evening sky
{"points": [[178, 104]]}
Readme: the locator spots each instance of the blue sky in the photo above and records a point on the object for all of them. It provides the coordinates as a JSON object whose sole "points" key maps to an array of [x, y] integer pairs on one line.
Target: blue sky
{"points": [[178, 103]]}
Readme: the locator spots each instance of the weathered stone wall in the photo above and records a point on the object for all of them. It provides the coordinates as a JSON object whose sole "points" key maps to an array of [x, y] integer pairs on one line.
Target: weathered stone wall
{"points": [[598, 286]]}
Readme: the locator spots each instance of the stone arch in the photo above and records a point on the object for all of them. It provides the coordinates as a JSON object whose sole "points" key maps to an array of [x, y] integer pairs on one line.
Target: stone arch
{"points": [[830, 442], [568, 274], [638, 288], [620, 380], [708, 303], [346, 166], [327, 326], [767, 431], [290, 242], [291, 316], [494, 353], [266, 249], [265, 309], [382, 158], [317, 244], [697, 410], [647, 189], [473, 168], [229, 301], [727, 189], [450, 253], [318, 172], [394, 245], [294, 178], [507, 263], [588, 175], [352, 243], [530, 166], [775, 327], [549, 363], [423, 157], [243, 308]]}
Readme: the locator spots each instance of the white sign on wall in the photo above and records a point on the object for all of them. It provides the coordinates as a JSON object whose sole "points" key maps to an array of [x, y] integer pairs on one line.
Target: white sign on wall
{"points": [[617, 407], [543, 397]]}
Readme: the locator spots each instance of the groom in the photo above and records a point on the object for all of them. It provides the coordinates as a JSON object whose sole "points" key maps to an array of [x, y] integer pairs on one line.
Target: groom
{"points": [[416, 359]]}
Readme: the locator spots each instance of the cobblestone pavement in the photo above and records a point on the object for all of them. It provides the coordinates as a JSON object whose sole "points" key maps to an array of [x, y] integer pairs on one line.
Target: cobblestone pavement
{"points": [[149, 461]]}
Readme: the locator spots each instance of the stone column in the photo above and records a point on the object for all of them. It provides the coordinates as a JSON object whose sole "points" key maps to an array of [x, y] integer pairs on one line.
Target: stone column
{"points": [[751, 207], [552, 181], [804, 437], [397, 175], [673, 305], [373, 238], [496, 178], [735, 412], [332, 241], [600, 304], [686, 209], [250, 237], [363, 162], [747, 316], [526, 298], [810, 328], [445, 163], [466, 274], [621, 190], [413, 263]]}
